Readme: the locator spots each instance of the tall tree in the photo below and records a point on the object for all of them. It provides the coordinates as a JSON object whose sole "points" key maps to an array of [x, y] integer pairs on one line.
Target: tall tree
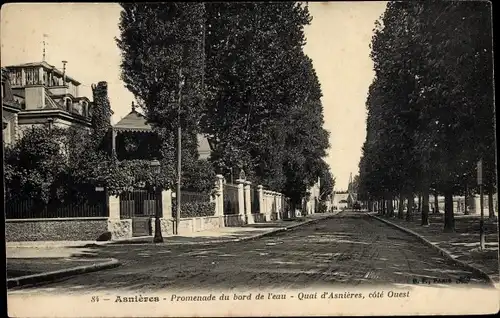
{"points": [[162, 47], [260, 84]]}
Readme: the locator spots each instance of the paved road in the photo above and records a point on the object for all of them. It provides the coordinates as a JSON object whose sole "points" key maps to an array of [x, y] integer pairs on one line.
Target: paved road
{"points": [[350, 248]]}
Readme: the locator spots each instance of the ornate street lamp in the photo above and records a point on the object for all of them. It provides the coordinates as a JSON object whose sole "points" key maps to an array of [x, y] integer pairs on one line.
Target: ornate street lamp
{"points": [[156, 168]]}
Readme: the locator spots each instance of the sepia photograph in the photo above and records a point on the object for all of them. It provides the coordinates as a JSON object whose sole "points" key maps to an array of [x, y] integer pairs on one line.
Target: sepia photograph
{"points": [[222, 159]]}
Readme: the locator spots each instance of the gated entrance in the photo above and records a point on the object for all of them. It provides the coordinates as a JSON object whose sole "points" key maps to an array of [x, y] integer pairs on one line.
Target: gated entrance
{"points": [[254, 197], [140, 205], [230, 199]]}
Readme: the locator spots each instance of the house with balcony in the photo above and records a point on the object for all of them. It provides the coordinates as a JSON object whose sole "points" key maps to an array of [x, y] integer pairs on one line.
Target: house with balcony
{"points": [[46, 95]]}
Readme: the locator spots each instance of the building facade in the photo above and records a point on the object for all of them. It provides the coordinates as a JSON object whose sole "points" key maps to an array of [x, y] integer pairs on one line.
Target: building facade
{"points": [[46, 95], [10, 111]]}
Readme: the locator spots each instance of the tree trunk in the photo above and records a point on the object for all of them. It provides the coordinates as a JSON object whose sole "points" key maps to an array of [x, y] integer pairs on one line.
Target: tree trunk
{"points": [[449, 218], [400, 207], [425, 206], [436, 203], [391, 206], [466, 198], [491, 209], [409, 210], [383, 207], [419, 203]]}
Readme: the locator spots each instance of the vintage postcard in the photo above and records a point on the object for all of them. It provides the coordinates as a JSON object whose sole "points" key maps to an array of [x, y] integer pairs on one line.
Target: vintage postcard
{"points": [[220, 159]]}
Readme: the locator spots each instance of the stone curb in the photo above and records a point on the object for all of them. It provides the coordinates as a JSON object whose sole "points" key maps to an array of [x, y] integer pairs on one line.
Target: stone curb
{"points": [[242, 239], [50, 276], [440, 250]]}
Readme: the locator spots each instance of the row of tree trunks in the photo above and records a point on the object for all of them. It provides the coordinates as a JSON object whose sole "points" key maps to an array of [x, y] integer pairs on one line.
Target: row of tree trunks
{"points": [[390, 204]]}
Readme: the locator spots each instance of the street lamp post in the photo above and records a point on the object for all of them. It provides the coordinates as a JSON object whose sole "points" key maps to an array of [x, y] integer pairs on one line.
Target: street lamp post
{"points": [[179, 128], [179, 154], [155, 168]]}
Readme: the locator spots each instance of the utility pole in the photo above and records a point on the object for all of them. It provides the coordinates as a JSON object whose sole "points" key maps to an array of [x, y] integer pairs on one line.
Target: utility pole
{"points": [[179, 153], [482, 240]]}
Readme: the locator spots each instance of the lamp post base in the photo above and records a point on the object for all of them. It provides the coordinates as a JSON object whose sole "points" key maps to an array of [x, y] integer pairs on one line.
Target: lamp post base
{"points": [[158, 239]]}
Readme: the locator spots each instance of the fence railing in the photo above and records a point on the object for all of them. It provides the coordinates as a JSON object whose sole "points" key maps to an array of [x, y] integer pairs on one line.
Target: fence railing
{"points": [[140, 203], [94, 206]]}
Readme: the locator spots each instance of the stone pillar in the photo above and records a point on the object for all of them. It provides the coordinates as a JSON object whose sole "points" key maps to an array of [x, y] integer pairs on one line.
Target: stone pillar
{"points": [[114, 207], [166, 202], [219, 196], [241, 198], [262, 208], [248, 204], [279, 205], [276, 205]]}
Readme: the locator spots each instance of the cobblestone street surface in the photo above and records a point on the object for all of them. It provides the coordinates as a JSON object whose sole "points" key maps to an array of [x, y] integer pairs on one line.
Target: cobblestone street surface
{"points": [[350, 249]]}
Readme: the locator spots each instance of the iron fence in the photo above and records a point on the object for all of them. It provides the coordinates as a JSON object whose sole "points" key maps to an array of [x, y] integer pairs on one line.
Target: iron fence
{"points": [[230, 199], [94, 204], [140, 203]]}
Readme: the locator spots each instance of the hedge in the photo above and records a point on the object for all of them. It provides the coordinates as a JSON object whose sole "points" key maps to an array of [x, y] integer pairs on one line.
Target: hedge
{"points": [[194, 209]]}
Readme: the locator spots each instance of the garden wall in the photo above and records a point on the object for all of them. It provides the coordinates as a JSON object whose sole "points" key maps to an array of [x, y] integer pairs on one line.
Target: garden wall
{"points": [[189, 225], [57, 229]]}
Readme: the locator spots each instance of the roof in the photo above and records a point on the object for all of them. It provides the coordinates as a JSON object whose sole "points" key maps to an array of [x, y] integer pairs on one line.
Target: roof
{"points": [[134, 121], [46, 66]]}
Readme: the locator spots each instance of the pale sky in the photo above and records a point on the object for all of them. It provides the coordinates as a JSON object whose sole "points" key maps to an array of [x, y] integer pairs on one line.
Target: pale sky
{"points": [[83, 34]]}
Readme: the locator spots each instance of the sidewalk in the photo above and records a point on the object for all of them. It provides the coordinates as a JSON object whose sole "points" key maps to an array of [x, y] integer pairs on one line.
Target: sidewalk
{"points": [[35, 262], [463, 244], [36, 270], [225, 234], [231, 234]]}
